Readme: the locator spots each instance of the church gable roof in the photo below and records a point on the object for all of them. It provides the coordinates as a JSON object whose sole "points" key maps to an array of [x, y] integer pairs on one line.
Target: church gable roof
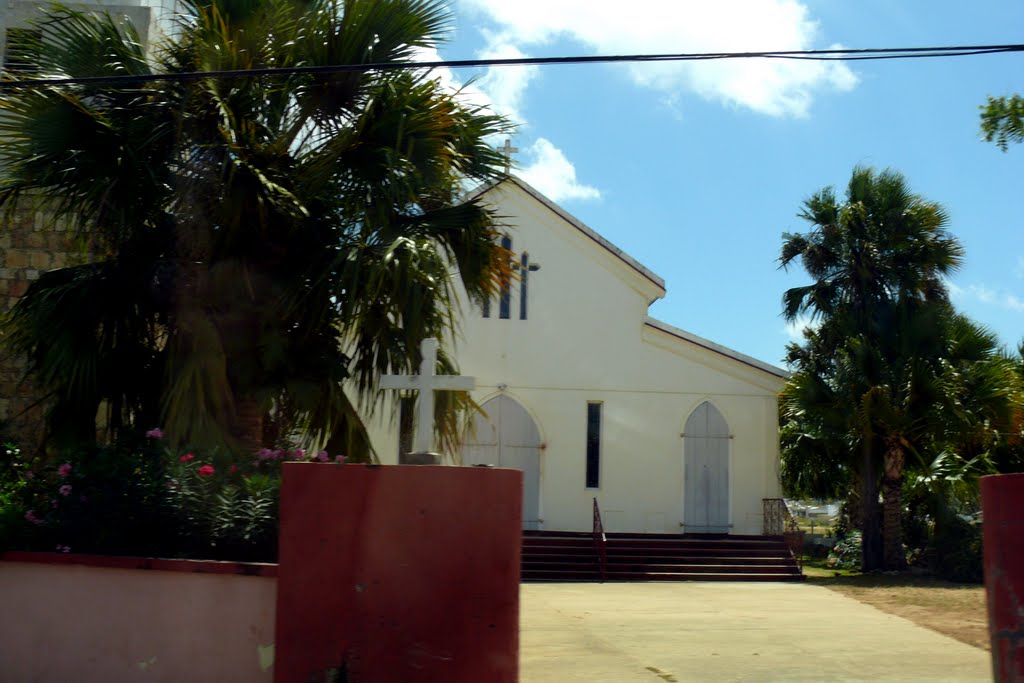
{"points": [[715, 348], [654, 285], [579, 225]]}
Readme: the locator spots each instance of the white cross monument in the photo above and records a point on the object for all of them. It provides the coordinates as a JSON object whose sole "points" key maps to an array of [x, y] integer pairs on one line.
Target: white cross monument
{"points": [[425, 384]]}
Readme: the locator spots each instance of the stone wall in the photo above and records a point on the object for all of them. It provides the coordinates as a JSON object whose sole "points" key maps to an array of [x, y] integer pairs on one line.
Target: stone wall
{"points": [[30, 245]]}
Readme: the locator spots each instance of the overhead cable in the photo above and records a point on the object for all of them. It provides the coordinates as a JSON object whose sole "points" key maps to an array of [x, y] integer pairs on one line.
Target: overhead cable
{"points": [[835, 54]]}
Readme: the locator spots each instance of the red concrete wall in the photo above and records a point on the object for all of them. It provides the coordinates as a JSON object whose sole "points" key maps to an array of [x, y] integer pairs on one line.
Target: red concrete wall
{"points": [[1002, 504], [398, 573]]}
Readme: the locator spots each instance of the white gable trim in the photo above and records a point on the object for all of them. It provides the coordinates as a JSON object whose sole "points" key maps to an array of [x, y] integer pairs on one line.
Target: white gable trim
{"points": [[645, 272], [716, 348]]}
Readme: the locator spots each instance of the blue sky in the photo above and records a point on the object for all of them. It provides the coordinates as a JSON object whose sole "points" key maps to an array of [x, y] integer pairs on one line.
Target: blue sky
{"points": [[696, 170]]}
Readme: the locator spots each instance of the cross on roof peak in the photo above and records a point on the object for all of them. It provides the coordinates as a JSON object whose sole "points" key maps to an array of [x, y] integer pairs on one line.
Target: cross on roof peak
{"points": [[507, 151]]}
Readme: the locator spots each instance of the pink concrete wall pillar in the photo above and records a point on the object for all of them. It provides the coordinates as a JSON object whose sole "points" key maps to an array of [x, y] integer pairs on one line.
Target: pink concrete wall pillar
{"points": [[1002, 503], [94, 619], [398, 574]]}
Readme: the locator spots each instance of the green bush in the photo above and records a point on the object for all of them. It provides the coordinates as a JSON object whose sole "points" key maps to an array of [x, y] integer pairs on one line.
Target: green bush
{"points": [[954, 551], [846, 553], [17, 484]]}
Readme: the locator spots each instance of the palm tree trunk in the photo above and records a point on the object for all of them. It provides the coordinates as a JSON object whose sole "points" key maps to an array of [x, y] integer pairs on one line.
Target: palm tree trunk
{"points": [[871, 528], [248, 427], [892, 514]]}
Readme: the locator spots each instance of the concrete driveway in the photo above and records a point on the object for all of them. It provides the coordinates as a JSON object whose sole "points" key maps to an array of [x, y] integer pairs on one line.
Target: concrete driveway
{"points": [[654, 632]]}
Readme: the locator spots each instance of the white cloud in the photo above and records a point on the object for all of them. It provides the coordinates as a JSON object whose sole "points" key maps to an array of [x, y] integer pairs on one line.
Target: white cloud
{"points": [[505, 86], [987, 295], [1014, 303], [502, 91], [775, 87], [982, 293], [553, 174], [794, 329]]}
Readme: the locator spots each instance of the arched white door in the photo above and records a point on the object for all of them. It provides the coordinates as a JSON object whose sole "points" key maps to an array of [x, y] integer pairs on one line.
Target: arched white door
{"points": [[506, 436], [706, 472]]}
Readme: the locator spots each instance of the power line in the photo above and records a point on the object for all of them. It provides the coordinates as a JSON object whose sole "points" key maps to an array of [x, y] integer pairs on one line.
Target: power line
{"points": [[810, 55]]}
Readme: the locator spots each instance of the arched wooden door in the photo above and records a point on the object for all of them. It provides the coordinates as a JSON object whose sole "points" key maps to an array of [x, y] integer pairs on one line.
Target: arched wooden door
{"points": [[706, 472], [506, 436]]}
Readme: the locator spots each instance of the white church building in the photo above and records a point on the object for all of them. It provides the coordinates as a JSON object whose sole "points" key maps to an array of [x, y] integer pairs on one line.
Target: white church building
{"points": [[592, 398]]}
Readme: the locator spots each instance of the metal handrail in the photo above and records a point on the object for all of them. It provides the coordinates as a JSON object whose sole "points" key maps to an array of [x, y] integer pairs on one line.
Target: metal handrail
{"points": [[600, 541], [784, 524]]}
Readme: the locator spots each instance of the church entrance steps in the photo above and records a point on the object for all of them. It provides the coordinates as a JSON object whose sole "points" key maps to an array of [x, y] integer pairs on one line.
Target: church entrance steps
{"points": [[571, 556]]}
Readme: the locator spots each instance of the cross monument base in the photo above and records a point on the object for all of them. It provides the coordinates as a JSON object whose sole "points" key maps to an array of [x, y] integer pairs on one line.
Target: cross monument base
{"points": [[420, 458]]}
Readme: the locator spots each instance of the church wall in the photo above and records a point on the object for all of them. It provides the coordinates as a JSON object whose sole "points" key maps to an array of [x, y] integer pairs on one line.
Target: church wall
{"points": [[585, 340], [642, 457]]}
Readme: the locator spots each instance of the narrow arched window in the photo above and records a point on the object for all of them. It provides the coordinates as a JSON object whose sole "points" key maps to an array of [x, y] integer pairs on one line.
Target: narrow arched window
{"points": [[505, 302]]}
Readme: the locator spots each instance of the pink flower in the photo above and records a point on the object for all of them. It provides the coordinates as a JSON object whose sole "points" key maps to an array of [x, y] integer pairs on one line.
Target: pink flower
{"points": [[298, 454], [63, 548], [188, 457], [65, 490], [155, 433], [341, 459], [264, 454], [279, 454], [206, 471], [322, 456], [232, 469], [30, 516], [64, 470]]}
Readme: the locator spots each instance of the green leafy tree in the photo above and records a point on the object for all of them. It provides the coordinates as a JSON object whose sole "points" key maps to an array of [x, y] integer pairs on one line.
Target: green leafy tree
{"points": [[1002, 120], [871, 256], [946, 387], [942, 403], [263, 247]]}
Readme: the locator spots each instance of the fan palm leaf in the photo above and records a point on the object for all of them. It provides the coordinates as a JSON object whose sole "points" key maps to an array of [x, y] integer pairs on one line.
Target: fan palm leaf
{"points": [[307, 226]]}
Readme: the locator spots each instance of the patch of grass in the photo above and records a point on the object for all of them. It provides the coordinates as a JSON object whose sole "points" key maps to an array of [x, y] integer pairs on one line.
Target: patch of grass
{"points": [[821, 571], [953, 609]]}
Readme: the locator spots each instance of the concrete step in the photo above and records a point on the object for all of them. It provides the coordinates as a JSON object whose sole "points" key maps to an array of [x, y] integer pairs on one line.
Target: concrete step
{"points": [[571, 556]]}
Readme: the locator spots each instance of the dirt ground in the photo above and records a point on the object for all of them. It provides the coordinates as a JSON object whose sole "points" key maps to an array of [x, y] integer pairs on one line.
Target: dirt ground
{"points": [[955, 610]]}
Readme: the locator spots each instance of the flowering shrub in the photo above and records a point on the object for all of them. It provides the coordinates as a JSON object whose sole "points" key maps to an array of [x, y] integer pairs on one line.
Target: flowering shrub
{"points": [[14, 521], [147, 500], [100, 500]]}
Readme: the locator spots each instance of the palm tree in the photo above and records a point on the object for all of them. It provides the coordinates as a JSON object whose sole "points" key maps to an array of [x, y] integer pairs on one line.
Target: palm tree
{"points": [[870, 256], [263, 247], [947, 388], [827, 449], [941, 407]]}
